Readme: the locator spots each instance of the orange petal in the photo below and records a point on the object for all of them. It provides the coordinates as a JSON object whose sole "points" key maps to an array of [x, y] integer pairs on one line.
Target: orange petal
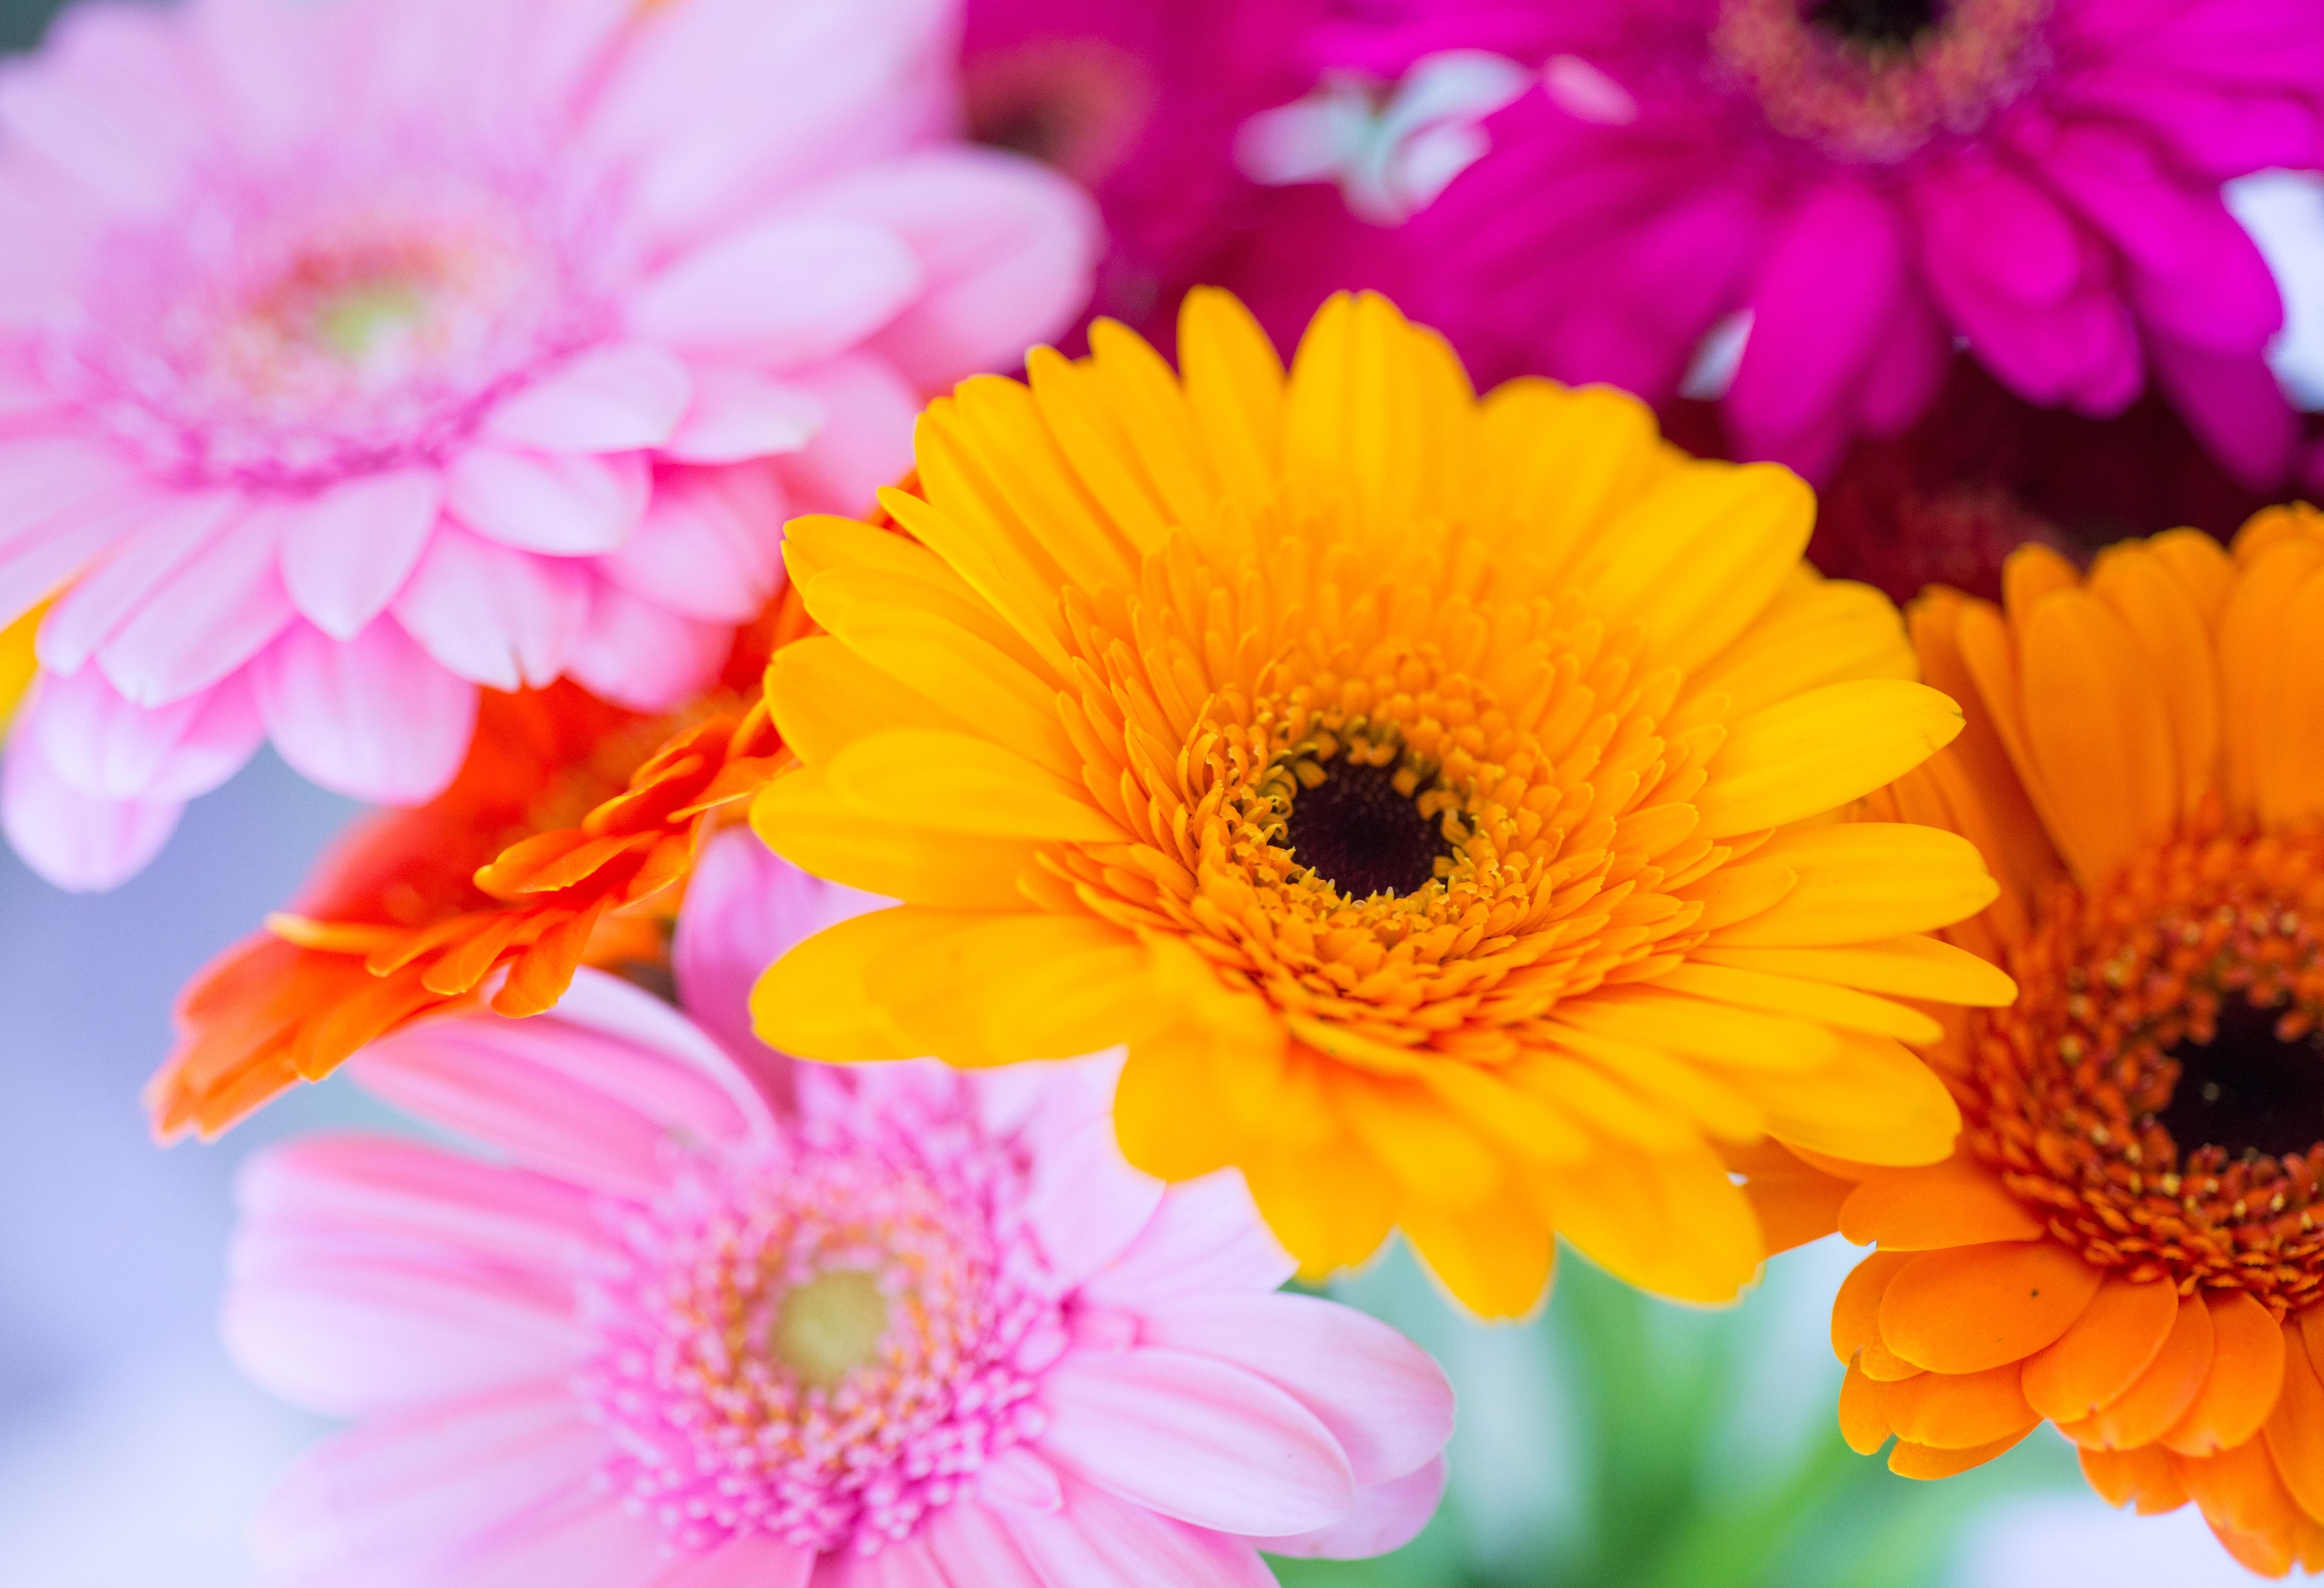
{"points": [[1961, 1411], [1975, 1307], [2145, 1475], [2099, 732], [1856, 1310], [2246, 1504], [1863, 1412], [2295, 1429], [2168, 627], [1923, 1461], [2162, 1393], [2246, 1377], [1952, 1203], [1795, 1202], [2103, 1354]]}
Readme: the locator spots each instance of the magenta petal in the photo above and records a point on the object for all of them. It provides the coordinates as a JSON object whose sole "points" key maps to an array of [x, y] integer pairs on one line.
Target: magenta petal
{"points": [[73, 840], [1384, 1399], [375, 717], [1908, 370], [2234, 404], [346, 552], [563, 506], [416, 1488], [493, 614], [1206, 1238], [784, 292], [738, 414], [1387, 1516], [711, 546], [1823, 296], [1194, 1438], [646, 657], [2000, 230], [624, 398], [105, 746], [1099, 1541]]}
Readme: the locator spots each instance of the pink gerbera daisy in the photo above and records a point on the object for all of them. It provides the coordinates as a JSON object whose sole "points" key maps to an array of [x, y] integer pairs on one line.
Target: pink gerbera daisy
{"points": [[1868, 181], [714, 1320], [354, 354]]}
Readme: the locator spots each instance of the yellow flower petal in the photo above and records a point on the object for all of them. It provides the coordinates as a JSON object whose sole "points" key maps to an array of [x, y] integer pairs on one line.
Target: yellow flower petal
{"points": [[1815, 752]]}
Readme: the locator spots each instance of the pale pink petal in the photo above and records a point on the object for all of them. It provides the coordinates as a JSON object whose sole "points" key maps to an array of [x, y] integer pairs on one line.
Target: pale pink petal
{"points": [[43, 475], [785, 292], [1008, 246], [270, 66], [452, 57], [564, 506], [687, 106], [385, 1188], [646, 657], [1099, 1541], [374, 717], [554, 1096], [1383, 1398], [609, 1006], [584, 1539], [972, 1546], [627, 397], [711, 546], [1387, 1516], [1019, 1480], [415, 1488], [1196, 1439], [745, 907], [73, 840], [739, 413], [164, 540], [493, 614], [1207, 1238], [347, 551], [1087, 1204], [42, 555], [349, 1330], [866, 439], [751, 1560], [108, 105], [223, 607], [106, 747]]}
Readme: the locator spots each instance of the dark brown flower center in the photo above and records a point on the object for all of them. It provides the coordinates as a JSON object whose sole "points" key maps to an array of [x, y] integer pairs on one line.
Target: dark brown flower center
{"points": [[1357, 832], [2246, 1090], [1875, 24]]}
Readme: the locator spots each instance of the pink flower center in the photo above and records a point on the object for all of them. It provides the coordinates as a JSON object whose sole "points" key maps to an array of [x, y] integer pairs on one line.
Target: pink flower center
{"points": [[1874, 81], [822, 1343], [290, 332]]}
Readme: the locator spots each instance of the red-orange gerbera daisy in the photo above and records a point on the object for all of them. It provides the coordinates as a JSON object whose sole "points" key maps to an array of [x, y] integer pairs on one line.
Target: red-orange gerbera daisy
{"points": [[562, 840], [2126, 1241]]}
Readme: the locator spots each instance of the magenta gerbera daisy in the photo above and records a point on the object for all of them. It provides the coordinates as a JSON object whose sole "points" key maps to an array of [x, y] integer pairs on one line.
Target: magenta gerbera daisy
{"points": [[355, 353], [1870, 181], [711, 1318]]}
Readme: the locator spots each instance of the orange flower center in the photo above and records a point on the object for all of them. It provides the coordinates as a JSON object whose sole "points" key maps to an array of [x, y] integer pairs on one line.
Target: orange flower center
{"points": [[2158, 1089]]}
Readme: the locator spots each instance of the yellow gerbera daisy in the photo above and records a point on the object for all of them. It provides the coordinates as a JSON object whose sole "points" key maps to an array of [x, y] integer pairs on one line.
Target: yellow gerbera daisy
{"points": [[1424, 789]]}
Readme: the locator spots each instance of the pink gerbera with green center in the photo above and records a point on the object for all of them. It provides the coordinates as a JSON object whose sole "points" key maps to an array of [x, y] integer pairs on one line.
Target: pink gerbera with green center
{"points": [[358, 353], [713, 1319]]}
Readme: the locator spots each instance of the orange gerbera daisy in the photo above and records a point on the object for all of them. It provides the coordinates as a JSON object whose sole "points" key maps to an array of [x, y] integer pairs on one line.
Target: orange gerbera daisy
{"points": [[2126, 1241], [1425, 790], [562, 840]]}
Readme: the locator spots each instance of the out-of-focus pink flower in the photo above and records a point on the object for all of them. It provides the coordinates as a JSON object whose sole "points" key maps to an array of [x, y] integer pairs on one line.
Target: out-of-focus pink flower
{"points": [[1870, 181], [1140, 101], [713, 1319], [354, 354]]}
